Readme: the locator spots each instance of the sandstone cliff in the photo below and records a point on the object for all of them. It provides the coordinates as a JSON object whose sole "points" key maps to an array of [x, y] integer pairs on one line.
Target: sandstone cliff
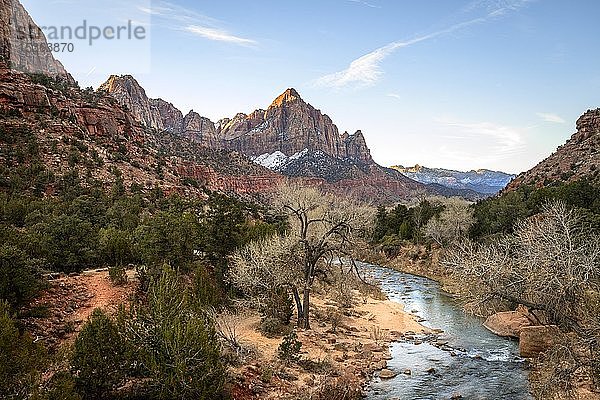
{"points": [[158, 113], [578, 158], [23, 46], [304, 143], [290, 125], [93, 135]]}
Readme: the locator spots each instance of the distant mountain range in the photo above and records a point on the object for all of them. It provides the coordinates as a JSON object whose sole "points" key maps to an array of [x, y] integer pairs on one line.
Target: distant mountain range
{"points": [[481, 181], [290, 137]]}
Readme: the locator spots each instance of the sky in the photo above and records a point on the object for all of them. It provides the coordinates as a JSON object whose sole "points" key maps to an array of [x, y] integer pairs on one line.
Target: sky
{"points": [[469, 84]]}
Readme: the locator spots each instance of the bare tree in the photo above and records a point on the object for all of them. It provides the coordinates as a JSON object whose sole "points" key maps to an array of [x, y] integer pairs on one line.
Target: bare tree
{"points": [[323, 230], [550, 264], [452, 224]]}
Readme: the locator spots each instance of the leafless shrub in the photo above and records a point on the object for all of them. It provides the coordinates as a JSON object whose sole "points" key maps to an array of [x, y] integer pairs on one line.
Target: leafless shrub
{"points": [[378, 335], [226, 326], [342, 388], [452, 224]]}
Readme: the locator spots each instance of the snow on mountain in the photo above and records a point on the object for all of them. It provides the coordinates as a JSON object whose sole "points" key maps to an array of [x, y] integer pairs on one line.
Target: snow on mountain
{"points": [[482, 180]]}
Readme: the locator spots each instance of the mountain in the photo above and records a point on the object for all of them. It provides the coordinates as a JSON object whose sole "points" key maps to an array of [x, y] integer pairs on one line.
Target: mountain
{"points": [[578, 158], [289, 125], [481, 181], [118, 132], [23, 46], [54, 135], [289, 137]]}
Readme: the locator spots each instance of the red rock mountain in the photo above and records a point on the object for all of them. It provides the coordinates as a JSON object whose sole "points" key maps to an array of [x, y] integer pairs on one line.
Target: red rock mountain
{"points": [[578, 158], [289, 125], [305, 142]]}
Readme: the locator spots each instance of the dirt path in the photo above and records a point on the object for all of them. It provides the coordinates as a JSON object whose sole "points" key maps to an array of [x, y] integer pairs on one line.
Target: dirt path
{"points": [[60, 312], [102, 293]]}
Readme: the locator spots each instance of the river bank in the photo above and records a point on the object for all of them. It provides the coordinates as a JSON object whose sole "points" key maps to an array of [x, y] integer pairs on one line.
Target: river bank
{"points": [[334, 361], [424, 262]]}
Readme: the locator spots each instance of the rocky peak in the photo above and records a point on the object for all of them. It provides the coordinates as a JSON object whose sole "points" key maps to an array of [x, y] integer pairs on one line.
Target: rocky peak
{"points": [[355, 147], [171, 116], [158, 113], [130, 94], [23, 46], [290, 125], [587, 125], [200, 129], [289, 96]]}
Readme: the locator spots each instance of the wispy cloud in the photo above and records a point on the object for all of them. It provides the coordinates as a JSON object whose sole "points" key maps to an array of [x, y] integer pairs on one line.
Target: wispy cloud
{"points": [[366, 70], [549, 117], [183, 19], [365, 3], [394, 95], [487, 142], [218, 35]]}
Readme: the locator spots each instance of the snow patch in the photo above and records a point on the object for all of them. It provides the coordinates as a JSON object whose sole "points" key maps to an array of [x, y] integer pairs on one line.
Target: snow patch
{"points": [[273, 161], [278, 161]]}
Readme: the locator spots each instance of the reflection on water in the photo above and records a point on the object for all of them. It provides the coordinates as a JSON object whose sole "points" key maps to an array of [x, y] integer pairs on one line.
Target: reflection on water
{"points": [[476, 363]]}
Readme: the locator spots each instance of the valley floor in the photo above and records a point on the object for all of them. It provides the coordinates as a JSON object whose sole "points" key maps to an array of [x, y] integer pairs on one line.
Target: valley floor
{"points": [[341, 359]]}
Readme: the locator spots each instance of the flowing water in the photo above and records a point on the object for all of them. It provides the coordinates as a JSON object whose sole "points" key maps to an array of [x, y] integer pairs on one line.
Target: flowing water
{"points": [[474, 363]]}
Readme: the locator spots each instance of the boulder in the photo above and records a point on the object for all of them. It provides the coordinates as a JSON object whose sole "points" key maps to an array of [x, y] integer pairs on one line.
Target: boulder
{"points": [[509, 323], [537, 339], [387, 374]]}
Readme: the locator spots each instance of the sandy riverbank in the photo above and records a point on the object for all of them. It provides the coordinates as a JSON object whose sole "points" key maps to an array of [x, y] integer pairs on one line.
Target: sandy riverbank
{"points": [[346, 358]]}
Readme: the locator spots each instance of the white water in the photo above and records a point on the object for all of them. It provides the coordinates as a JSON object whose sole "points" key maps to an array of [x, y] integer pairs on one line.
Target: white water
{"points": [[475, 364]]}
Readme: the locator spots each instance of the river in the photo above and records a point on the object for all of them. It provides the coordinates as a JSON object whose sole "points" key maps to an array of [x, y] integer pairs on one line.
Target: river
{"points": [[474, 363]]}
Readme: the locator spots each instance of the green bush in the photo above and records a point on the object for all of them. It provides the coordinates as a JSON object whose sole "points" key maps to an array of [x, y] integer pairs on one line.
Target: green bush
{"points": [[20, 358], [206, 290], [118, 275], [289, 349], [60, 387], [68, 243], [168, 237], [272, 327], [99, 357], [18, 282], [178, 347]]}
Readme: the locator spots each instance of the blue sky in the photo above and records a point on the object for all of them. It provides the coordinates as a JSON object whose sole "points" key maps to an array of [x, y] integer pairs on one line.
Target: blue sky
{"points": [[458, 84]]}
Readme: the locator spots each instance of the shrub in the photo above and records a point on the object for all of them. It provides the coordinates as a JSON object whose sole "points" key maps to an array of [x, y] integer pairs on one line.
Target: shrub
{"points": [[168, 237], [20, 358], [178, 348], [114, 246], [279, 306], [118, 275], [206, 290], [60, 387], [99, 357], [335, 318], [272, 327], [342, 388], [18, 282], [289, 349], [68, 243]]}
